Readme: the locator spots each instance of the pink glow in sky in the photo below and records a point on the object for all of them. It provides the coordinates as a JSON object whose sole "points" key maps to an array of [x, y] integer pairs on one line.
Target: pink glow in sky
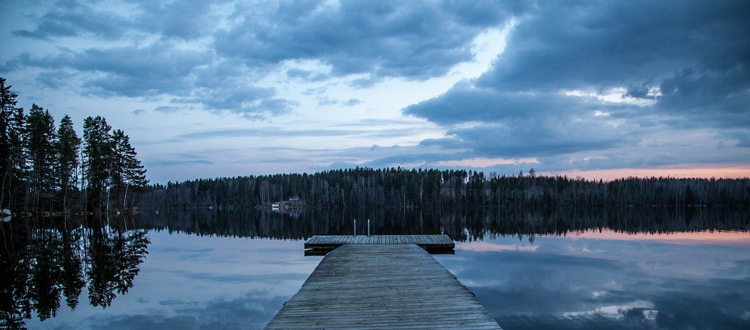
{"points": [[685, 171]]}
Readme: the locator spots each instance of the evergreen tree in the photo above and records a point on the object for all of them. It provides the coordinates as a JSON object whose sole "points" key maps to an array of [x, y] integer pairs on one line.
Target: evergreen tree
{"points": [[39, 163], [97, 151], [40, 139], [67, 158], [130, 174], [11, 155]]}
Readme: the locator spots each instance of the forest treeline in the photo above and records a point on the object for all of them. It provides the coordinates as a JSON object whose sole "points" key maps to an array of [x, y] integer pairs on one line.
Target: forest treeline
{"points": [[362, 188], [49, 169]]}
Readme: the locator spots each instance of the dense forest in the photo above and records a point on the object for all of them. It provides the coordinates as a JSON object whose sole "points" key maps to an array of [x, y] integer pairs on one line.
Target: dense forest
{"points": [[45, 169], [445, 190]]}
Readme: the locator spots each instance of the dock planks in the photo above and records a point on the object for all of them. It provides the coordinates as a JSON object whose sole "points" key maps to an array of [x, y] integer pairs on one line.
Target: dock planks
{"points": [[382, 286], [322, 244]]}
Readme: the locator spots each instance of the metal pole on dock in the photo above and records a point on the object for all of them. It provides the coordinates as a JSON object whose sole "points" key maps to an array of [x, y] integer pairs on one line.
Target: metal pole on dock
{"points": [[355, 227], [368, 227]]}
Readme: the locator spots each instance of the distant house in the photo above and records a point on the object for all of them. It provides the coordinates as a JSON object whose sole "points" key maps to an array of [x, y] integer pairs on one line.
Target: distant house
{"points": [[292, 204]]}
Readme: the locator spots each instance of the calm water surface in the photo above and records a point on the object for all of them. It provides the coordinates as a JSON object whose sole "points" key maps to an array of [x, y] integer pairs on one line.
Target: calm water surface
{"points": [[193, 276]]}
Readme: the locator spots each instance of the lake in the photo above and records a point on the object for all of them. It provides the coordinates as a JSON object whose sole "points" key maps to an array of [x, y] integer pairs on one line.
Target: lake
{"points": [[543, 269]]}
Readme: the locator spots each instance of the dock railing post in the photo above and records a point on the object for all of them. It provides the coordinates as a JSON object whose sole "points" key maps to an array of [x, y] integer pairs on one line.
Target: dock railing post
{"points": [[355, 227], [368, 227]]}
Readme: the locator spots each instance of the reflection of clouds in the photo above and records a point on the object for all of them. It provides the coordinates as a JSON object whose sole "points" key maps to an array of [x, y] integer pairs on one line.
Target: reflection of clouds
{"points": [[250, 311], [636, 309], [613, 285], [481, 246], [582, 249], [597, 294], [170, 302], [562, 286], [275, 278], [686, 238], [476, 284]]}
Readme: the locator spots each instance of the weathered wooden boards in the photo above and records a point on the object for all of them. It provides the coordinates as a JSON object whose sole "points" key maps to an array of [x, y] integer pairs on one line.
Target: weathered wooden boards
{"points": [[382, 286], [435, 244]]}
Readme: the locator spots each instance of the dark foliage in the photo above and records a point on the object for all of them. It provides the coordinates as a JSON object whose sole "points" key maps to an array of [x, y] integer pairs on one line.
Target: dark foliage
{"points": [[44, 260], [444, 190], [41, 170]]}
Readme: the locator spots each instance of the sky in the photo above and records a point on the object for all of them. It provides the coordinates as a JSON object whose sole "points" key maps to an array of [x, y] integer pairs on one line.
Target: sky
{"points": [[597, 89]]}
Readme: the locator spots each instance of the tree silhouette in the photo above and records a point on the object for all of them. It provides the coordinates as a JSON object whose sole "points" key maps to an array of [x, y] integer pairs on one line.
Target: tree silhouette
{"points": [[46, 265], [40, 166], [67, 156]]}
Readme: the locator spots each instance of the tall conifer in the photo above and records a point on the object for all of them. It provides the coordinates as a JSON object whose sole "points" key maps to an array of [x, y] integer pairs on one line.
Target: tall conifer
{"points": [[67, 158], [40, 139]]}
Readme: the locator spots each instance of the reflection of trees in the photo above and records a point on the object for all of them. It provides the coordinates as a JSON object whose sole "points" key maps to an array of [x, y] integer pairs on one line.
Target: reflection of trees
{"points": [[44, 260], [113, 259], [41, 263], [461, 225]]}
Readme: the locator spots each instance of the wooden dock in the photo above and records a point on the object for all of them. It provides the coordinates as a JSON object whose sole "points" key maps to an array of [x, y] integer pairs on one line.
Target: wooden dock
{"points": [[434, 244], [382, 286]]}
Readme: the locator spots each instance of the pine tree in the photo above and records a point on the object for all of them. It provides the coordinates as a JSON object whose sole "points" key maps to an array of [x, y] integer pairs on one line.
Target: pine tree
{"points": [[131, 174], [97, 151], [12, 120], [67, 154], [40, 139]]}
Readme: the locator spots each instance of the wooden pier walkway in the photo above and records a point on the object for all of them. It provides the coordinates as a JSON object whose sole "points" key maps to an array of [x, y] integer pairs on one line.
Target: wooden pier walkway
{"points": [[435, 244], [382, 286]]}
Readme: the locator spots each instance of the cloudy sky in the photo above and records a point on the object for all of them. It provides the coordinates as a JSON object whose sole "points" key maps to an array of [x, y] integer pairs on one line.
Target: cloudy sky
{"points": [[225, 88]]}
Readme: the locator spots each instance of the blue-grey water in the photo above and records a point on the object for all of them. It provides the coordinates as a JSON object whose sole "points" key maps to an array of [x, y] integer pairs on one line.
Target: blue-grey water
{"points": [[195, 276]]}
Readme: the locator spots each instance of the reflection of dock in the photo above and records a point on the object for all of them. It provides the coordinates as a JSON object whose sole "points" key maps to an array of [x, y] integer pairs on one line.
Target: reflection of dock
{"points": [[435, 244], [371, 283]]}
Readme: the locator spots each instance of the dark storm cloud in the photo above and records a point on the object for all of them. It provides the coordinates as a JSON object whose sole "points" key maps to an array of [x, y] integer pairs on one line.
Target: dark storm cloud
{"points": [[54, 79], [128, 71], [587, 43], [177, 19], [721, 98], [72, 19], [375, 38], [162, 68], [382, 38], [517, 124], [466, 103], [541, 137], [696, 54]]}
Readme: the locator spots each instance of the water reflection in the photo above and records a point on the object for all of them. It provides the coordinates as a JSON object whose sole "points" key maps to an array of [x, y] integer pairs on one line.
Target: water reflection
{"points": [[467, 225], [594, 282], [524, 274], [47, 260]]}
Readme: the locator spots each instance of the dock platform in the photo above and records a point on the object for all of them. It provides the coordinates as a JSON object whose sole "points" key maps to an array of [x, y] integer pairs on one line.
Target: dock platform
{"points": [[434, 244], [382, 286]]}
